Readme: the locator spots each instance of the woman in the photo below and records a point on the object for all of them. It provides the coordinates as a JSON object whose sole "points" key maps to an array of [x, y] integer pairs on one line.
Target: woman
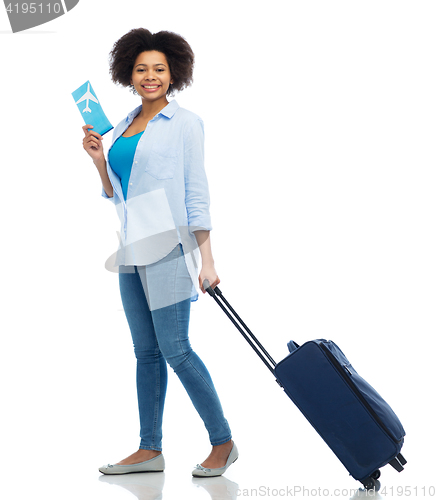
{"points": [[155, 177]]}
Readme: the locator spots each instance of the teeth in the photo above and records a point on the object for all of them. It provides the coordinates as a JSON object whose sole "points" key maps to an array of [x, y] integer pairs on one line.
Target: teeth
{"points": [[150, 86]]}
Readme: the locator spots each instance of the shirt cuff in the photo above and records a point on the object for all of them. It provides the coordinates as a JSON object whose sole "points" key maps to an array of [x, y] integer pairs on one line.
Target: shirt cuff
{"points": [[200, 224], [106, 196]]}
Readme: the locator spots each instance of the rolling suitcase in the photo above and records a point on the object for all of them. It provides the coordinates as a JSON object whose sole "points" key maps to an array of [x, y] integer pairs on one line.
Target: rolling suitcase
{"points": [[350, 416]]}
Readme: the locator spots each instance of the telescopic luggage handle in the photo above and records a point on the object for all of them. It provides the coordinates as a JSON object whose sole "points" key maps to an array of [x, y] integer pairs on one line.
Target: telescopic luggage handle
{"points": [[247, 334]]}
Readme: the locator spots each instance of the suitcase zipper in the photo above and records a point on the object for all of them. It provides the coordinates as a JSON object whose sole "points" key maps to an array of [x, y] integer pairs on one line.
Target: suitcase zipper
{"points": [[339, 368]]}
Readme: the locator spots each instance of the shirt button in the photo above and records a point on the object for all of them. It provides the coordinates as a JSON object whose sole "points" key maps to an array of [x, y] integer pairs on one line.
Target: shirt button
{"points": [[136, 162]]}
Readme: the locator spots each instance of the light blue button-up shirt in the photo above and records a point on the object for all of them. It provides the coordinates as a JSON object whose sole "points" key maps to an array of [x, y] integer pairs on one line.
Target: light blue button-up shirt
{"points": [[167, 197]]}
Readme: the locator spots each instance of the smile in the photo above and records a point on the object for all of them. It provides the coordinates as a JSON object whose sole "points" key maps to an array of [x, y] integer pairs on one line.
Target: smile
{"points": [[150, 88]]}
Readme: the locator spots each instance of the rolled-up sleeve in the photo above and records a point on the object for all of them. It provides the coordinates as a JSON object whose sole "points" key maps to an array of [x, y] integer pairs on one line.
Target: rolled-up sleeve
{"points": [[103, 189], [196, 183], [106, 196]]}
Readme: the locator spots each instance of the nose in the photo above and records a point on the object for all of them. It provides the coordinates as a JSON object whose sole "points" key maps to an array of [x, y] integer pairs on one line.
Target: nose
{"points": [[149, 76]]}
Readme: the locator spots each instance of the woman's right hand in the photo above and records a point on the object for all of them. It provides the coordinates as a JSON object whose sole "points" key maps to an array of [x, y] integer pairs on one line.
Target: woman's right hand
{"points": [[92, 143]]}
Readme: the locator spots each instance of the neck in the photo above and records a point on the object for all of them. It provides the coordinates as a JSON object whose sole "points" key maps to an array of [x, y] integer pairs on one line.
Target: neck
{"points": [[150, 109]]}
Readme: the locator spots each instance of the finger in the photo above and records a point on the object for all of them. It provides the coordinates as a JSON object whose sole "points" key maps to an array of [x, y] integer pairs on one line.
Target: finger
{"points": [[94, 134], [91, 132], [215, 282], [86, 128], [91, 138], [91, 144]]}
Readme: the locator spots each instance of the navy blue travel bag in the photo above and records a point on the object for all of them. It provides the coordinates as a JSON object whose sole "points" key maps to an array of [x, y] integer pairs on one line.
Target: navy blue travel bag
{"points": [[349, 415]]}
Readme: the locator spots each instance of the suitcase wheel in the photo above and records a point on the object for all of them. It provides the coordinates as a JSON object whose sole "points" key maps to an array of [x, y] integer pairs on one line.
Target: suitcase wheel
{"points": [[376, 474], [371, 482]]}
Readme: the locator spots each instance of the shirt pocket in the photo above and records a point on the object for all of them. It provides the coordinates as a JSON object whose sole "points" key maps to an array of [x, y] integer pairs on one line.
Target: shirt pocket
{"points": [[162, 162]]}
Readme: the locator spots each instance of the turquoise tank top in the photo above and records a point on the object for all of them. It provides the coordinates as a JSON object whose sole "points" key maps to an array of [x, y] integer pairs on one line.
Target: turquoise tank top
{"points": [[121, 157]]}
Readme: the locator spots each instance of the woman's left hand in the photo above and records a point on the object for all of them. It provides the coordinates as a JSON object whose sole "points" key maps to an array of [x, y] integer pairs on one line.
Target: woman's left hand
{"points": [[208, 273]]}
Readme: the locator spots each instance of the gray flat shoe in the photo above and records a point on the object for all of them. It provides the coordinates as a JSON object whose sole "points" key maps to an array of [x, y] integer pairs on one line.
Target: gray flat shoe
{"points": [[156, 464], [200, 471]]}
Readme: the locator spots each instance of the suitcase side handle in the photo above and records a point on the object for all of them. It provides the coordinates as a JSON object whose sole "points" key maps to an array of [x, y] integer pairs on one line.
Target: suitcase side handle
{"points": [[256, 345]]}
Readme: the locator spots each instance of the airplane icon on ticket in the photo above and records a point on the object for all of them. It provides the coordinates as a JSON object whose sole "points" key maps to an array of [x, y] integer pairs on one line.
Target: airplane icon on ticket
{"points": [[95, 117], [88, 96]]}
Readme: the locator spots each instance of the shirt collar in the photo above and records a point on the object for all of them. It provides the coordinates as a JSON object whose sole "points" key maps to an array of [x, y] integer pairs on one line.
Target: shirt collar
{"points": [[168, 111]]}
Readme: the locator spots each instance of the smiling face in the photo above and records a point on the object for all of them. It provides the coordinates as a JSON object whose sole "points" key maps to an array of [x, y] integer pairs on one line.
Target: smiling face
{"points": [[151, 76]]}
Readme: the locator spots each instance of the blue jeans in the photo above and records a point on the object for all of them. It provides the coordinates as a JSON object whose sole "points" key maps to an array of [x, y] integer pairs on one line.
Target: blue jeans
{"points": [[160, 336]]}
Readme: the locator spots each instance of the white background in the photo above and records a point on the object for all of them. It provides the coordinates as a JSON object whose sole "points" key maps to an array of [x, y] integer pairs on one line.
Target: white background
{"points": [[320, 121]]}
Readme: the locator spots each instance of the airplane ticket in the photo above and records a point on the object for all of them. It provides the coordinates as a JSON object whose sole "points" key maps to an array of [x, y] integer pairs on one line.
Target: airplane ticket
{"points": [[91, 109]]}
